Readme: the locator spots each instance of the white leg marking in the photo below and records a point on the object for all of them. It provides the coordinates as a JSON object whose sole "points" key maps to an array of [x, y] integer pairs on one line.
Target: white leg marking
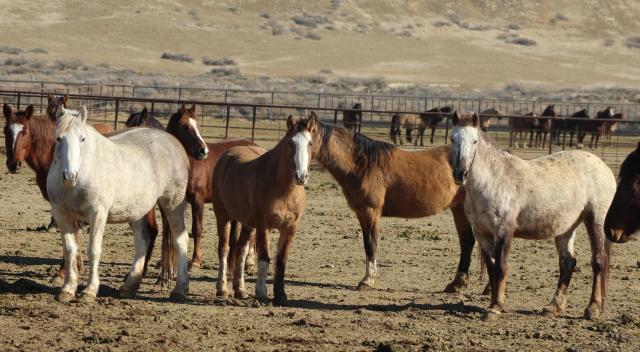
{"points": [[261, 282]]}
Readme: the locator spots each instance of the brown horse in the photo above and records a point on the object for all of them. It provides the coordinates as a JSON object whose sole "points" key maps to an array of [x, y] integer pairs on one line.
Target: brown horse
{"points": [[598, 128], [381, 180], [351, 119], [623, 220], [519, 127], [407, 121], [143, 118], [431, 119], [263, 190], [183, 125]]}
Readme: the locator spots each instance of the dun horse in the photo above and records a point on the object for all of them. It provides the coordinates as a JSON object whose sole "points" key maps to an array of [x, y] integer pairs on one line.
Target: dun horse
{"points": [[428, 119], [380, 180], [547, 197], [241, 192], [623, 220], [119, 179]]}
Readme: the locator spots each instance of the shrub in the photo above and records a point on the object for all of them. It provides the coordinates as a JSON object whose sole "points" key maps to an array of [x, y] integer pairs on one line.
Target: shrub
{"points": [[67, 64], [177, 57], [38, 51], [633, 42], [15, 61], [310, 20], [11, 50], [274, 27], [218, 62], [223, 71], [524, 42]]}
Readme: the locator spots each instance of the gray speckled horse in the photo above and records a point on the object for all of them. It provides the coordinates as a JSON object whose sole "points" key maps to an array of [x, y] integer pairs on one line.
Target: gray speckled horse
{"points": [[101, 180], [547, 197]]}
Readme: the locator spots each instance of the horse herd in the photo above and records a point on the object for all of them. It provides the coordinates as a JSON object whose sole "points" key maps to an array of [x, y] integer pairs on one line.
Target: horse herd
{"points": [[535, 127], [95, 176]]}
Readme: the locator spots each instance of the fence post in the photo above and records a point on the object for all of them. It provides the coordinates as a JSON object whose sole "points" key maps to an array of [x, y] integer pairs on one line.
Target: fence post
{"points": [[226, 129], [18, 102], [335, 117], [41, 96], [115, 122], [271, 109], [319, 97], [551, 123], [253, 125], [153, 106], [446, 130]]}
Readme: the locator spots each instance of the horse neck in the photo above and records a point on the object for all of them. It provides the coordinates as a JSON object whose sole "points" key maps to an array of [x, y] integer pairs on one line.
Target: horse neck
{"points": [[280, 164], [490, 164], [336, 155], [40, 154]]}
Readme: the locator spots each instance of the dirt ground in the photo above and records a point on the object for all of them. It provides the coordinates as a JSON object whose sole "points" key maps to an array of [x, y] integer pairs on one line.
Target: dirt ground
{"points": [[407, 309]]}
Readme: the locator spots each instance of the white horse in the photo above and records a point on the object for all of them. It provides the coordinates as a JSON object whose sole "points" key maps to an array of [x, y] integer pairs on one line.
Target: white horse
{"points": [[547, 197], [101, 180]]}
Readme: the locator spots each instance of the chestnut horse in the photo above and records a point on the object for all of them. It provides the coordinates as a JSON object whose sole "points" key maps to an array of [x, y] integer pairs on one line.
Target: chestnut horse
{"points": [[183, 125], [381, 180], [263, 190], [623, 220]]}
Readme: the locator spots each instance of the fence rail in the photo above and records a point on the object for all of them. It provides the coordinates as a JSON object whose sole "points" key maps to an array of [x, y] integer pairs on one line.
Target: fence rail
{"points": [[266, 121]]}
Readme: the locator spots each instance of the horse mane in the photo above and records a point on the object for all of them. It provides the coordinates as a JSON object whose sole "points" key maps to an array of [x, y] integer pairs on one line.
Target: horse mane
{"points": [[366, 152], [630, 165], [549, 110], [69, 120], [581, 113], [43, 132]]}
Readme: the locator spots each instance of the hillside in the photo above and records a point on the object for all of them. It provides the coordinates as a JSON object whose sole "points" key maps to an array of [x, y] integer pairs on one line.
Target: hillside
{"points": [[465, 45]]}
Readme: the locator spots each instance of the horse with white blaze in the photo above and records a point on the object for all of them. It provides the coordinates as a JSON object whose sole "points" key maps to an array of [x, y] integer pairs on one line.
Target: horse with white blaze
{"points": [[99, 180], [547, 197]]}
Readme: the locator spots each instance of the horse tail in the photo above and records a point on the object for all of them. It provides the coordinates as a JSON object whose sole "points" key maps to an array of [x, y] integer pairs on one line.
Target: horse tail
{"points": [[233, 246]]}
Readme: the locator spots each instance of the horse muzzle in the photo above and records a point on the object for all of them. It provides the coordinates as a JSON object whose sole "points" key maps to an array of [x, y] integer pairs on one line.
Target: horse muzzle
{"points": [[69, 178], [202, 153], [14, 167], [301, 178], [460, 176]]}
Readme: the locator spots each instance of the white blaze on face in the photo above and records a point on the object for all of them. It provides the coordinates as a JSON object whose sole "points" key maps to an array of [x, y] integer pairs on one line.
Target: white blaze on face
{"points": [[195, 128], [301, 142], [15, 129], [464, 147]]}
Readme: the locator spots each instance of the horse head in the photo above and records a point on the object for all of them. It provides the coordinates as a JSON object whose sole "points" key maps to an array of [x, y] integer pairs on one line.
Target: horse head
{"points": [[304, 143], [71, 137], [17, 136], [622, 221], [138, 118], [54, 103], [465, 136], [184, 126]]}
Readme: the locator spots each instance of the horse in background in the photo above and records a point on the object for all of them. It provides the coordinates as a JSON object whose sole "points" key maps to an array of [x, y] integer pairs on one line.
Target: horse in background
{"points": [[143, 118], [243, 193], [351, 119], [431, 119], [547, 197], [488, 116], [599, 128], [381, 180], [520, 126], [623, 220], [407, 121], [118, 179], [541, 128]]}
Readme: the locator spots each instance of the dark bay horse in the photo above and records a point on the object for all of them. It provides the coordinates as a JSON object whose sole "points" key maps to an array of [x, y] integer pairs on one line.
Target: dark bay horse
{"points": [[351, 119], [381, 180], [428, 119], [183, 125], [623, 217], [143, 118], [263, 190], [431, 119]]}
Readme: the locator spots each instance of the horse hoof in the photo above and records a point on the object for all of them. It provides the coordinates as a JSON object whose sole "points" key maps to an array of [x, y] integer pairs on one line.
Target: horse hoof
{"points": [[280, 300], [87, 297], [222, 293], [57, 280], [364, 286], [491, 314], [126, 292], [65, 297], [551, 311], [486, 291], [455, 287], [592, 312], [177, 297], [240, 294], [194, 265], [52, 229]]}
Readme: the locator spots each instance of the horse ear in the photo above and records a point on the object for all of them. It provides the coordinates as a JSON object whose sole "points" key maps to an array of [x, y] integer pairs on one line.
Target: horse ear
{"points": [[84, 113], [65, 99], [475, 119], [143, 114], [29, 112], [6, 110], [193, 109], [182, 109], [312, 124], [49, 98], [291, 123], [455, 119]]}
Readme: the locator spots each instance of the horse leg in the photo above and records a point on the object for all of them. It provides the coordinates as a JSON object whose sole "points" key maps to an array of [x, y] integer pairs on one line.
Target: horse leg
{"points": [[250, 263], [467, 241], [433, 133], [566, 252], [369, 218], [197, 210], [152, 228], [262, 247], [180, 240], [167, 260], [502, 245], [142, 236], [96, 233], [243, 245], [52, 227], [224, 227], [284, 242], [600, 265], [486, 244], [421, 136], [58, 278], [70, 247]]}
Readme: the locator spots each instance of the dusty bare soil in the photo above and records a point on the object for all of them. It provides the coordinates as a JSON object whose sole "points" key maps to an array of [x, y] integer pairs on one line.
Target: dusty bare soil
{"points": [[406, 310]]}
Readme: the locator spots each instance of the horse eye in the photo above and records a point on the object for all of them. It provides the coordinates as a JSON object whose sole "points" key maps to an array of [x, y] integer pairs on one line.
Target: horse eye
{"points": [[82, 139], [474, 142], [451, 139], [58, 139], [310, 143]]}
